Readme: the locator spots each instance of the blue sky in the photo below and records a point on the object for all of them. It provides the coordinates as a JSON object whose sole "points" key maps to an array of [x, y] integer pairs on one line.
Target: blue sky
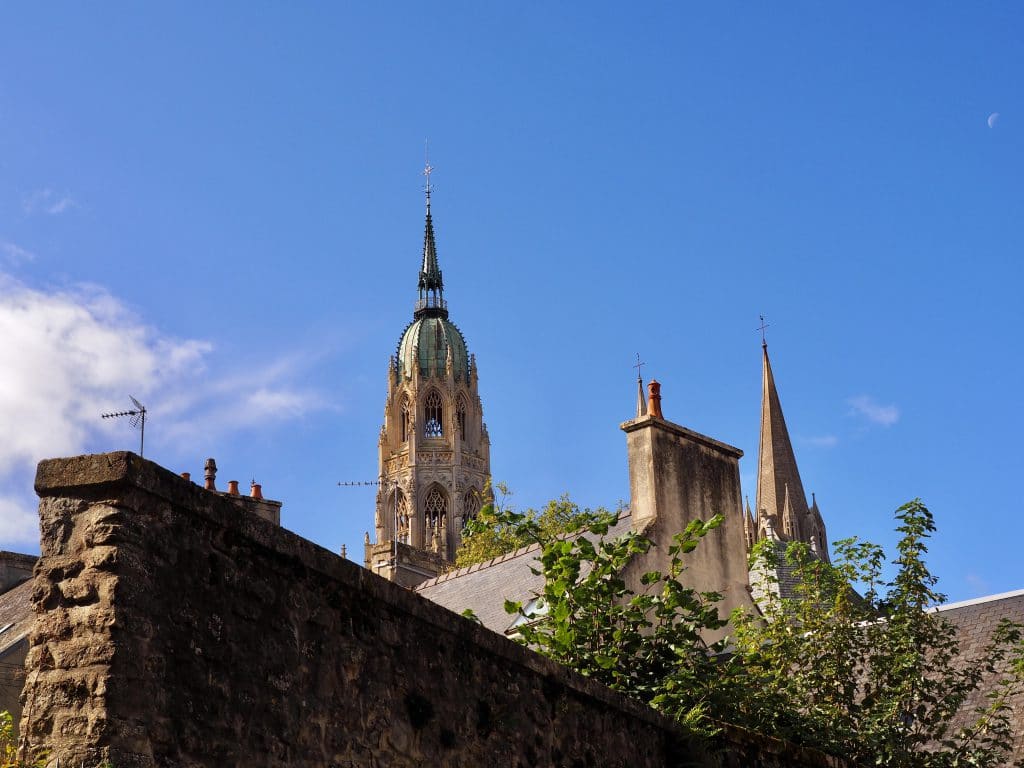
{"points": [[219, 210]]}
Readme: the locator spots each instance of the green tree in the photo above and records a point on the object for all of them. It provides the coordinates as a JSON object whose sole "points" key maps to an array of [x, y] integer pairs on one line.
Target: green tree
{"points": [[875, 678], [498, 529], [587, 617]]}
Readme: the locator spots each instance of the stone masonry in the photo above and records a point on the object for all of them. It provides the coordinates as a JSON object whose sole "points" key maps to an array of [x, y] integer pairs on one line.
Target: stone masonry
{"points": [[175, 629]]}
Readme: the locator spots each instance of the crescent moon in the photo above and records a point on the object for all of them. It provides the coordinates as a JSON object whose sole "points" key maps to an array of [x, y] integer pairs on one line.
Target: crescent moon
{"points": [[992, 119]]}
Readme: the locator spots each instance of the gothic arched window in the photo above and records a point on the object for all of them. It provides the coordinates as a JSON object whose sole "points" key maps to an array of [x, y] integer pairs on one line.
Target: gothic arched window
{"points": [[433, 416], [404, 416], [461, 414], [398, 511], [470, 505], [435, 509]]}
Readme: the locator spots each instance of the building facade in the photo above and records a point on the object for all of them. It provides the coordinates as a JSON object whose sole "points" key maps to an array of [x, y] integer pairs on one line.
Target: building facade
{"points": [[434, 451]]}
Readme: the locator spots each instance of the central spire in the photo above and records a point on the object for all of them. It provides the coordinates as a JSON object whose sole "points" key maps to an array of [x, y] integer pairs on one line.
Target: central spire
{"points": [[431, 301]]}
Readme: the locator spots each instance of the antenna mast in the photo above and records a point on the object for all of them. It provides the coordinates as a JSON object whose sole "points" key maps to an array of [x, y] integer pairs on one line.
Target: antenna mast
{"points": [[138, 414]]}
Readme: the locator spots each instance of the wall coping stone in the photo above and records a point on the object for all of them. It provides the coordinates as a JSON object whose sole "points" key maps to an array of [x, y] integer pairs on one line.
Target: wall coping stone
{"points": [[681, 431]]}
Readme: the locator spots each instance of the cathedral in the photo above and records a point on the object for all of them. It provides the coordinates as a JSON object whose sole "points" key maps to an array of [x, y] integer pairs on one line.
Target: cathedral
{"points": [[434, 463], [434, 452]]}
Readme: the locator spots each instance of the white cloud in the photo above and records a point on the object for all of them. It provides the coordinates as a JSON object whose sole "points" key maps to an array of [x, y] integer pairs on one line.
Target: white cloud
{"points": [[73, 354], [14, 254], [233, 402], [19, 524], [866, 406], [823, 441], [47, 201]]}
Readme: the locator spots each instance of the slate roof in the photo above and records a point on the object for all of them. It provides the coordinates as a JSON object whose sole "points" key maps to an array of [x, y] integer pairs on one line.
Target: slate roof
{"points": [[16, 615], [484, 587], [16, 618], [975, 620]]}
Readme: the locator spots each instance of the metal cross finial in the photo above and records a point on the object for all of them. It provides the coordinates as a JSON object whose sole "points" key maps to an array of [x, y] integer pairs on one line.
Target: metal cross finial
{"points": [[761, 328], [427, 168], [638, 365]]}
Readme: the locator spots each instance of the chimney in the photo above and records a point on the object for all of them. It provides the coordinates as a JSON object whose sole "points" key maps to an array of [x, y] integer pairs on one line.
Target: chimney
{"points": [[186, 475], [255, 490], [14, 569], [233, 488]]}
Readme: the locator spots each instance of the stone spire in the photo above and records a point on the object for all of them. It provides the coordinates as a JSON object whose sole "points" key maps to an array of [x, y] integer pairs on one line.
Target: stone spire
{"points": [[431, 285], [777, 474]]}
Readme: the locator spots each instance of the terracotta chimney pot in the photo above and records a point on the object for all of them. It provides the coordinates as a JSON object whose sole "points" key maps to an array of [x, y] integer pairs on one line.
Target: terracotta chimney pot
{"points": [[210, 481], [654, 399], [256, 491], [233, 487], [187, 475]]}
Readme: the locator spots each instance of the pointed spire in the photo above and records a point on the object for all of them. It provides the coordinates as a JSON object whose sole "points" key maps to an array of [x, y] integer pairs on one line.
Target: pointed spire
{"points": [[431, 285], [777, 472]]}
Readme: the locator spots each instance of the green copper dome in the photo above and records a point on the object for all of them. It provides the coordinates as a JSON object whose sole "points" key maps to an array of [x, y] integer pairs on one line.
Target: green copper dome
{"points": [[434, 336]]}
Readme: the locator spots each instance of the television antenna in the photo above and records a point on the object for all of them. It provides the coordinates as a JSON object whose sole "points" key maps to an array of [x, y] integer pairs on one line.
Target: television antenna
{"points": [[138, 414], [391, 484]]}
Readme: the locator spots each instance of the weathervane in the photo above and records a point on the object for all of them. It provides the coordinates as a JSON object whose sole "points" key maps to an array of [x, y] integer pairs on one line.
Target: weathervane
{"points": [[761, 328], [138, 415]]}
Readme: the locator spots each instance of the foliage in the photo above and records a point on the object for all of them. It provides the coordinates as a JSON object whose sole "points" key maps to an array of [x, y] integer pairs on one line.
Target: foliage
{"points": [[587, 618], [497, 529], [9, 746], [873, 678]]}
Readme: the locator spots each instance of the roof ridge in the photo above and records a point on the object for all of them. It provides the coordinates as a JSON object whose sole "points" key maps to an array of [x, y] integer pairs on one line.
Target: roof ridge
{"points": [[978, 600]]}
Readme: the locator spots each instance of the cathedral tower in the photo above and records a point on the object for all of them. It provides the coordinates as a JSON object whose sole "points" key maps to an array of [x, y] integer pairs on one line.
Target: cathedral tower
{"points": [[782, 511], [434, 452]]}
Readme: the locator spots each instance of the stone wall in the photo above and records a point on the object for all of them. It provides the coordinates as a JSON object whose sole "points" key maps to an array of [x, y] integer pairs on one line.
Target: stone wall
{"points": [[174, 629]]}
